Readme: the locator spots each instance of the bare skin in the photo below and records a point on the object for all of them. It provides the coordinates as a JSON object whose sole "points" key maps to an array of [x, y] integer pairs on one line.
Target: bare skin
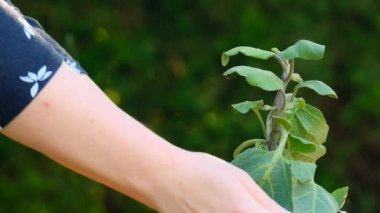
{"points": [[74, 123]]}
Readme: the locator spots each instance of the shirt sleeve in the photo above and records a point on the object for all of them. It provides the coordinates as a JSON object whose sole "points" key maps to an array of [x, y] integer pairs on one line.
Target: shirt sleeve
{"points": [[29, 58]]}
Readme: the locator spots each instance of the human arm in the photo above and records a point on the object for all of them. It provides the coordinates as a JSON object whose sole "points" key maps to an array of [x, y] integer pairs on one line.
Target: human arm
{"points": [[74, 123]]}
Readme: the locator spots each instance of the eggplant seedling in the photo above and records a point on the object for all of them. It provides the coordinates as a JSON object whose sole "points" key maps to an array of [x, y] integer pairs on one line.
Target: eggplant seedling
{"points": [[283, 162]]}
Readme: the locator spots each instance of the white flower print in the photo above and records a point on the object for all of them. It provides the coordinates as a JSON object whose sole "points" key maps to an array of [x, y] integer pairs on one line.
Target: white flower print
{"points": [[73, 66], [29, 31], [34, 78]]}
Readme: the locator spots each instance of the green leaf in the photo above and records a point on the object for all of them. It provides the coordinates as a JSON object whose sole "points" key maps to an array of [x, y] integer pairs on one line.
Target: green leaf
{"points": [[320, 150], [308, 122], [245, 106], [340, 196], [242, 71], [303, 49], [310, 125], [302, 171], [319, 87], [270, 171], [263, 79], [282, 121], [298, 144], [248, 51], [311, 198]]}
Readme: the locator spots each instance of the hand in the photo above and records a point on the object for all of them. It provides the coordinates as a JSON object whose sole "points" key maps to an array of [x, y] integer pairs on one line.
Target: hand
{"points": [[203, 183]]}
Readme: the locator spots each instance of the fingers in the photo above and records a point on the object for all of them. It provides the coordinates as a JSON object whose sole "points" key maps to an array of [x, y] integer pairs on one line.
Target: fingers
{"points": [[260, 196], [250, 206]]}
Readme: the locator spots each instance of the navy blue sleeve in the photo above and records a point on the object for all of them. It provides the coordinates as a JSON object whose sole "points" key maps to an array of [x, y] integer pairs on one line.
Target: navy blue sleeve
{"points": [[29, 57]]}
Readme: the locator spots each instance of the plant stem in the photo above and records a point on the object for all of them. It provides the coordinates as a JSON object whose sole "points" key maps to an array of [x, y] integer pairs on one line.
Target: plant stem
{"points": [[285, 66], [279, 104], [261, 123], [283, 105], [274, 136]]}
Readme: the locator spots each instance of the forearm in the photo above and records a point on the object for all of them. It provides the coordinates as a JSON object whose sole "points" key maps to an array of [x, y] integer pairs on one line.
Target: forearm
{"points": [[75, 124]]}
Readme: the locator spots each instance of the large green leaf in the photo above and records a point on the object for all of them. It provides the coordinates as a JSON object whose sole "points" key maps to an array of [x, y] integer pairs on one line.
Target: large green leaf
{"points": [[319, 87], [303, 49], [340, 196], [246, 106], [302, 171], [248, 51], [263, 79], [310, 125], [311, 198], [270, 171]]}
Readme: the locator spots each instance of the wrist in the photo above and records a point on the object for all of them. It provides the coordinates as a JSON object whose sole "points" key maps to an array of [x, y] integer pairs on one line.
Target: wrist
{"points": [[156, 168]]}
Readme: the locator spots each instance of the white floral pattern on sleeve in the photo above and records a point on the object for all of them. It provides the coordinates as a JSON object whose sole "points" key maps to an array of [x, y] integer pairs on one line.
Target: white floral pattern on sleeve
{"points": [[34, 78], [28, 30], [73, 66]]}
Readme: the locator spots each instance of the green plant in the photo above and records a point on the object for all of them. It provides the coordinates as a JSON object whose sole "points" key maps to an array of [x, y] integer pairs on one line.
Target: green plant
{"points": [[284, 162]]}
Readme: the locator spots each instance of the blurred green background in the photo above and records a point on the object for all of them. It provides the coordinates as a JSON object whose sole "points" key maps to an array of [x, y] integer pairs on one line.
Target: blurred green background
{"points": [[160, 61]]}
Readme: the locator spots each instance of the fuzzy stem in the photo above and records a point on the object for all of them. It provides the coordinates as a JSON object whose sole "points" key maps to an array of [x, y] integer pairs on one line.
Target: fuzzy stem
{"points": [[274, 136], [276, 129], [279, 104]]}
